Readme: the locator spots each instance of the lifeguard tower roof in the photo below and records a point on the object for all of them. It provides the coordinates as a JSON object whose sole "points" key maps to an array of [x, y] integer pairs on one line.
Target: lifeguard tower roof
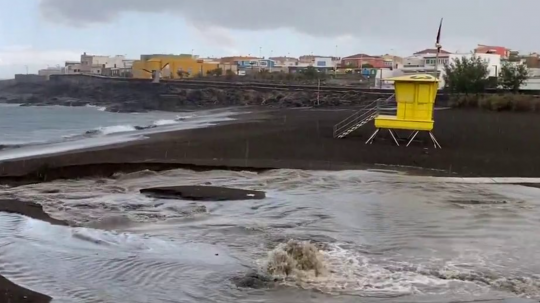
{"points": [[414, 78]]}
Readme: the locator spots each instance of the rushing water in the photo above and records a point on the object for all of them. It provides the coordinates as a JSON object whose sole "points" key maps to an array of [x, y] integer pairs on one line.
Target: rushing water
{"points": [[366, 236]]}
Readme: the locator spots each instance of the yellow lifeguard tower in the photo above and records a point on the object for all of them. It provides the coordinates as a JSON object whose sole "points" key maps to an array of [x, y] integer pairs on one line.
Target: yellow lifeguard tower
{"points": [[415, 97]]}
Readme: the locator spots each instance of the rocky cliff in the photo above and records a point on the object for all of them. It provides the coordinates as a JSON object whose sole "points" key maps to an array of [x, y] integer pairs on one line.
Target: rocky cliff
{"points": [[137, 96]]}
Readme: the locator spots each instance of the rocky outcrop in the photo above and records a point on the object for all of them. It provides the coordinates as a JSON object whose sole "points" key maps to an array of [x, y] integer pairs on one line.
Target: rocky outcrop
{"points": [[144, 96], [203, 193]]}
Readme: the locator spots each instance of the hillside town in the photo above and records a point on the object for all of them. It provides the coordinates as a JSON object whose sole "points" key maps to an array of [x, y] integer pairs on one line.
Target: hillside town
{"points": [[366, 66]]}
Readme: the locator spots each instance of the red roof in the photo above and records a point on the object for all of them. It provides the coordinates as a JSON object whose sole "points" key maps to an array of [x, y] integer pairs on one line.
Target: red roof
{"points": [[360, 56], [431, 51], [490, 46]]}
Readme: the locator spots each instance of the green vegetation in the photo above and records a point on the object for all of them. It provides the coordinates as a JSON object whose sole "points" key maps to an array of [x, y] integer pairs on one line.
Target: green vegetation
{"points": [[512, 76], [229, 74], [467, 79], [310, 73], [502, 102], [466, 75], [215, 72]]}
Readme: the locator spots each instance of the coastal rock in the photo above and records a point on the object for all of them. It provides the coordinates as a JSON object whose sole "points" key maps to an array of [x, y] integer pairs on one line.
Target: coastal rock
{"points": [[139, 96], [203, 193], [127, 107]]}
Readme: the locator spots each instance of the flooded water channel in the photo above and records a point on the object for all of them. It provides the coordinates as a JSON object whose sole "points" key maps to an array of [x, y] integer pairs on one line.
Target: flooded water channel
{"points": [[350, 236]]}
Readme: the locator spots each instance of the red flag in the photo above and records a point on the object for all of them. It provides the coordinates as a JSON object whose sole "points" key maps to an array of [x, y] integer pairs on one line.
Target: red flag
{"points": [[438, 41]]}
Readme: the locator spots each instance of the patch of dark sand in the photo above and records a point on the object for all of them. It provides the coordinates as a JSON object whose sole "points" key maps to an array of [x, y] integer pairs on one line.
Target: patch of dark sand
{"points": [[12, 293], [29, 209], [203, 193], [535, 185]]}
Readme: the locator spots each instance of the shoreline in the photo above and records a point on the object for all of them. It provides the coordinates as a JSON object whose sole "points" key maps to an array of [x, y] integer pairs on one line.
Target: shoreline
{"points": [[96, 138], [475, 144]]}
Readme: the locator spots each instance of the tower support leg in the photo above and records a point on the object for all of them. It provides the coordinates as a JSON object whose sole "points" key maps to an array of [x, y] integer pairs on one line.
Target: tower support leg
{"points": [[393, 136], [435, 142], [370, 140], [411, 138]]}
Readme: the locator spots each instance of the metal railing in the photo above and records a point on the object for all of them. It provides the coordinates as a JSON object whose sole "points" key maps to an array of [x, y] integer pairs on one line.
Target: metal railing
{"points": [[388, 106], [368, 111]]}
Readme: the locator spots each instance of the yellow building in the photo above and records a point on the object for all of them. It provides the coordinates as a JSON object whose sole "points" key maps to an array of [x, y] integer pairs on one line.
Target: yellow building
{"points": [[172, 68]]}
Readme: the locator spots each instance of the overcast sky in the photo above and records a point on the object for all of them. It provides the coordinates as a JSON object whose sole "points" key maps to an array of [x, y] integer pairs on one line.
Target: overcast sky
{"points": [[37, 33]]}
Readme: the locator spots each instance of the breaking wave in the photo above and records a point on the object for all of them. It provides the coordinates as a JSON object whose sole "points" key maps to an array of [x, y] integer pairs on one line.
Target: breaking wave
{"points": [[165, 122], [107, 130], [100, 108]]}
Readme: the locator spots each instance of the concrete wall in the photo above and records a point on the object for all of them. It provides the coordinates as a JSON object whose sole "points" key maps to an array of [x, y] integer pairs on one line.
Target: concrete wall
{"points": [[51, 71], [30, 78]]}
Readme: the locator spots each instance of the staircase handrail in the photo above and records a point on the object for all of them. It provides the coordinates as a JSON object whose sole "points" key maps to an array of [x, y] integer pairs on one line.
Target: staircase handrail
{"points": [[383, 109], [367, 110]]}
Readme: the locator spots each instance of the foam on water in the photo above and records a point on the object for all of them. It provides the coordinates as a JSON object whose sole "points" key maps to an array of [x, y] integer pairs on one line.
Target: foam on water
{"points": [[164, 122], [107, 130]]}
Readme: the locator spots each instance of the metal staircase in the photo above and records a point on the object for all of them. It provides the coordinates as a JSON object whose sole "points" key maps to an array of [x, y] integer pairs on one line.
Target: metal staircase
{"points": [[367, 113]]}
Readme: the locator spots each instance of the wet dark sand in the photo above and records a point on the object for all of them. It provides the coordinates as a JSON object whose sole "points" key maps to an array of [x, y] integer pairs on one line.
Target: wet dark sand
{"points": [[12, 293], [29, 209], [475, 143]]}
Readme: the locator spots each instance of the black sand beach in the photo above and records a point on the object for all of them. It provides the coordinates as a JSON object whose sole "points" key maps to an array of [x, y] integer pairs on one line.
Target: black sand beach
{"points": [[475, 143]]}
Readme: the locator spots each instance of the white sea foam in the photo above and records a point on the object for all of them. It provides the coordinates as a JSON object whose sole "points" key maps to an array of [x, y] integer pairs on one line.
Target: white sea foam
{"points": [[107, 130], [164, 122]]}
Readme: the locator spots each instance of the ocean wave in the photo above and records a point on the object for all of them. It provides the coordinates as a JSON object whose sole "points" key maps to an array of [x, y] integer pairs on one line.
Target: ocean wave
{"points": [[100, 108], [107, 130], [101, 131], [165, 122]]}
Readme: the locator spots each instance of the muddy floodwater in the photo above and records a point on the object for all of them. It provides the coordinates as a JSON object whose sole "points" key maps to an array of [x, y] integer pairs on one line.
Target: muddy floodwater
{"points": [[350, 236]]}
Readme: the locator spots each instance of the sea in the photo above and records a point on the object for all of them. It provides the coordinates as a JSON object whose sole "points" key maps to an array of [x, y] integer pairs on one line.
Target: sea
{"points": [[319, 236], [33, 131]]}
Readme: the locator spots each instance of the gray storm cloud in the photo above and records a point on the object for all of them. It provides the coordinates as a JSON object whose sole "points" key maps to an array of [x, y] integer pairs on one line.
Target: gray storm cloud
{"points": [[502, 21]]}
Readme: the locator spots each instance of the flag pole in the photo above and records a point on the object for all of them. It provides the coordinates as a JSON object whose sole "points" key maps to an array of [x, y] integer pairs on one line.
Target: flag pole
{"points": [[438, 46]]}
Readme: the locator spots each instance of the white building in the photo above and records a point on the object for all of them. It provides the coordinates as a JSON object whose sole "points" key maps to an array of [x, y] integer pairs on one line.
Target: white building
{"points": [[284, 61], [72, 67], [96, 64], [324, 62]]}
